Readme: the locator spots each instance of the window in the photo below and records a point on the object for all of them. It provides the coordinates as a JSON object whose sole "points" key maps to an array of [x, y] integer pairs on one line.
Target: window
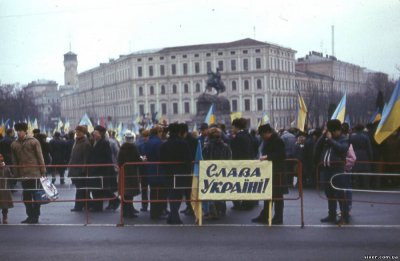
{"points": [[260, 104], [174, 89], [140, 71], [197, 67], [185, 68], [258, 50], [197, 87], [186, 88], [234, 87], [233, 52], [234, 105], [187, 107], [175, 108], [163, 108], [208, 54], [258, 63], [173, 69], [247, 104], [162, 58], [184, 56], [162, 69], [208, 66], [140, 91], [220, 53], [196, 55], [173, 57], [221, 65], [150, 58], [259, 84], [162, 89], [246, 85], [151, 72], [245, 64], [141, 109], [151, 90], [152, 109], [233, 65], [245, 51]]}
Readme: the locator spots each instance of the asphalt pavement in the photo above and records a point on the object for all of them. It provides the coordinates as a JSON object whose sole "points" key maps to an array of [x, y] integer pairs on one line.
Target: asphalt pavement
{"points": [[64, 235]]}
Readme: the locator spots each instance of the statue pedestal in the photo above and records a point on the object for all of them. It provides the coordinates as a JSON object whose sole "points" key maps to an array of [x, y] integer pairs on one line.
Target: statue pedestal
{"points": [[221, 108]]}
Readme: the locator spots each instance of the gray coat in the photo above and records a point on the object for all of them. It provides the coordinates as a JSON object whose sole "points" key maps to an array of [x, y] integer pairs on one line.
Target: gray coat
{"points": [[79, 155]]}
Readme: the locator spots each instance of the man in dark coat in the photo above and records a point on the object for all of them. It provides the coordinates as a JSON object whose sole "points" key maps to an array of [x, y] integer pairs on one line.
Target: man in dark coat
{"points": [[331, 149], [192, 143], [57, 151], [128, 153], [273, 149], [106, 183], [242, 149], [363, 150], [175, 149], [154, 174], [80, 154]]}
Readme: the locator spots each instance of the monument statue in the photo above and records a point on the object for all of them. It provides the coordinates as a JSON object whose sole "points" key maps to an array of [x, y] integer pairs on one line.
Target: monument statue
{"points": [[214, 81]]}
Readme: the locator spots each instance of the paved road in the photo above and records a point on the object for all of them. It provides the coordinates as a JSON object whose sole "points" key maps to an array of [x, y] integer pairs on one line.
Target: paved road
{"points": [[62, 235]]}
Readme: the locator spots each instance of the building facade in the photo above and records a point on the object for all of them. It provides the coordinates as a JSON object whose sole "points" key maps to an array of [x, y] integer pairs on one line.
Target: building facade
{"points": [[46, 97], [259, 77]]}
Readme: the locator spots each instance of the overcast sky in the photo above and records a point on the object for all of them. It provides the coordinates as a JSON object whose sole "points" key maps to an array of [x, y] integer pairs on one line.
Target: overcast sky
{"points": [[36, 33]]}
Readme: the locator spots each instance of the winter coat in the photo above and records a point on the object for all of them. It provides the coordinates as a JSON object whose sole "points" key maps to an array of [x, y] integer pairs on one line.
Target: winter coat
{"points": [[128, 153], [101, 154], [58, 150], [290, 144], [363, 150], [216, 149], [175, 149], [5, 149], [274, 148], [5, 195], [332, 152], [242, 146], [27, 152], [79, 155], [154, 172]]}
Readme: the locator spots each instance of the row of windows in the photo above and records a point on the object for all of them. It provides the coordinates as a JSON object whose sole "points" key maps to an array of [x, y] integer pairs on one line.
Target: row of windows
{"points": [[173, 90], [197, 68], [196, 55]]}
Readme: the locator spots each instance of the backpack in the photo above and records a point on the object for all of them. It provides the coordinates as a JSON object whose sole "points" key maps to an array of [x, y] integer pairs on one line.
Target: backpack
{"points": [[350, 159]]}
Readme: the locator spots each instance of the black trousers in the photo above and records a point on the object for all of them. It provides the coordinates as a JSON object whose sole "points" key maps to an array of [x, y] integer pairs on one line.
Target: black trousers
{"points": [[81, 192], [157, 193], [31, 186], [144, 184]]}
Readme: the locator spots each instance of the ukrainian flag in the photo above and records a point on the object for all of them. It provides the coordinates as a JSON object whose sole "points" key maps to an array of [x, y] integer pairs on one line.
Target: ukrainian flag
{"points": [[264, 119], [301, 113], [390, 117], [236, 115], [211, 118], [86, 121], [340, 111], [376, 116], [196, 205]]}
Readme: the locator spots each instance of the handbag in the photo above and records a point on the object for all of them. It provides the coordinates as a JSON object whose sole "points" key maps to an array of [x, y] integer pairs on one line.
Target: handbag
{"points": [[41, 197], [48, 192]]}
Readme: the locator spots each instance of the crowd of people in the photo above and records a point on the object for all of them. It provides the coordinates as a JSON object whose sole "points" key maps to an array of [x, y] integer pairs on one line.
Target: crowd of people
{"points": [[90, 160]]}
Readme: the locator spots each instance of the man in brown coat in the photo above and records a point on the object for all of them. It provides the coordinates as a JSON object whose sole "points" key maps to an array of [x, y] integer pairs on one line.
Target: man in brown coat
{"points": [[26, 151]]}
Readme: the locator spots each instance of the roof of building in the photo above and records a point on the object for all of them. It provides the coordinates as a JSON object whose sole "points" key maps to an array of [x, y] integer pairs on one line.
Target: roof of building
{"points": [[238, 43]]}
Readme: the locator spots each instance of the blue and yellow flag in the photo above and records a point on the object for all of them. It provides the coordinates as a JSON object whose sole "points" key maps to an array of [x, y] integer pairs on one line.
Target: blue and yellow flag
{"points": [[211, 118], [236, 115], [376, 116], [86, 121], [340, 111], [264, 120], [390, 117], [301, 113], [196, 205]]}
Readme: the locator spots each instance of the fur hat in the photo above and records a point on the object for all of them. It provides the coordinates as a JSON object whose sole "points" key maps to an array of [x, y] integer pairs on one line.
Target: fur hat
{"points": [[81, 128], [334, 125], [21, 126], [100, 129], [265, 128]]}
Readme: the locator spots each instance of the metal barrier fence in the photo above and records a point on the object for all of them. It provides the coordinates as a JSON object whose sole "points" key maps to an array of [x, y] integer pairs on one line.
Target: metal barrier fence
{"points": [[123, 187], [363, 181]]}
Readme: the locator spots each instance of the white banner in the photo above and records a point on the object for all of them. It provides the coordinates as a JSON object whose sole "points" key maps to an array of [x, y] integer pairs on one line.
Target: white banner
{"points": [[235, 180]]}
